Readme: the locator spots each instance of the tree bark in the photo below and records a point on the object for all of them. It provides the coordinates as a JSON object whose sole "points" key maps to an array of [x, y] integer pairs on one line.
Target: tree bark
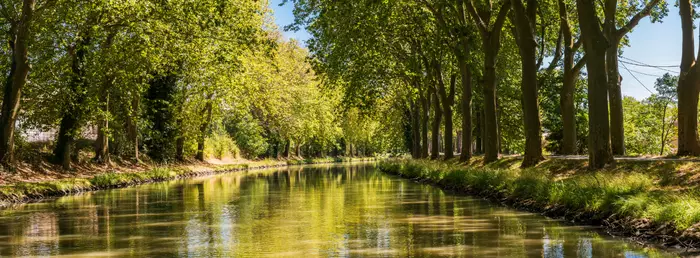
{"points": [[102, 142], [466, 74], [688, 87], [435, 150], [525, 28], [415, 130], [16, 80], [425, 101], [595, 45], [289, 142], [479, 148]]}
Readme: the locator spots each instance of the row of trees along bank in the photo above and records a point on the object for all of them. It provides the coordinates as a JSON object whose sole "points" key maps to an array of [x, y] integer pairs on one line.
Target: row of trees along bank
{"points": [[168, 79], [512, 70]]}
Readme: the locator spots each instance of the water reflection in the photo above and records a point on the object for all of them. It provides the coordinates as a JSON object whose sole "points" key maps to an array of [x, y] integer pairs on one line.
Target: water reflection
{"points": [[303, 211]]}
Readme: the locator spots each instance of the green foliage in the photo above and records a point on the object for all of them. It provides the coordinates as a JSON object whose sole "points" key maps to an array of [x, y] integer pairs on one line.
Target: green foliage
{"points": [[220, 145], [550, 90], [650, 124]]}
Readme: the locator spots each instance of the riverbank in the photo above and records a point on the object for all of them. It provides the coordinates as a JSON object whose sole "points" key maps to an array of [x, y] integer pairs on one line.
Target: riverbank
{"points": [[123, 176], [646, 200]]}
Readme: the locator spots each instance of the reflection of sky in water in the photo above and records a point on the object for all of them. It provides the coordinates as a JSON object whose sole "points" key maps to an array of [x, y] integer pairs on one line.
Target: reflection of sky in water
{"points": [[552, 249], [341, 212], [585, 248]]}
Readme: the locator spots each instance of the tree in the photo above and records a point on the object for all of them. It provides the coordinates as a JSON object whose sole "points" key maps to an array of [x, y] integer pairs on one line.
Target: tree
{"points": [[525, 20], [491, 43], [688, 86], [665, 87], [637, 10], [595, 44], [572, 70], [19, 39]]}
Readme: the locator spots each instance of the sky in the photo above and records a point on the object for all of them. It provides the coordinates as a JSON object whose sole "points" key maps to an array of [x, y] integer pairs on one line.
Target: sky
{"points": [[657, 44]]}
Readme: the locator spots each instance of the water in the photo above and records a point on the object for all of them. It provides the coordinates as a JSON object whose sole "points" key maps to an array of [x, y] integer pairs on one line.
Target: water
{"points": [[326, 211]]}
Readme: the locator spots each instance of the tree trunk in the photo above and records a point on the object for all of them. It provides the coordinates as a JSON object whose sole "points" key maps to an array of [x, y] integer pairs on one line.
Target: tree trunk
{"points": [[663, 130], [571, 74], [688, 87], [614, 36], [415, 130], [424, 124], [466, 74], [70, 122], [447, 100], [204, 128], [458, 142], [17, 78], [102, 142], [490, 119], [435, 151], [568, 113], [180, 147], [479, 148], [491, 43], [525, 27], [595, 45], [617, 123]]}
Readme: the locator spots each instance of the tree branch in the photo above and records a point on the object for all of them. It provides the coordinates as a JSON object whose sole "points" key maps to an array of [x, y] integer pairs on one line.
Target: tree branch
{"points": [[557, 53], [483, 27], [500, 20], [636, 18]]}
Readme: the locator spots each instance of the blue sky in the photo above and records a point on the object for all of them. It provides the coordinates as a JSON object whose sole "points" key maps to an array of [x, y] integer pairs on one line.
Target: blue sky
{"points": [[650, 43]]}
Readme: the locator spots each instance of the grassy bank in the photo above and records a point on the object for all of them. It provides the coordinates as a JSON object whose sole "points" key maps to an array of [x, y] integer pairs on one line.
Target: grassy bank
{"points": [[628, 199], [31, 191], [328, 160]]}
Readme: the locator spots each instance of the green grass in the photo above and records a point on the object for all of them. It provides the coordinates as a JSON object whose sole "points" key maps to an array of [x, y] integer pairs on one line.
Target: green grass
{"points": [[328, 160], [631, 194]]}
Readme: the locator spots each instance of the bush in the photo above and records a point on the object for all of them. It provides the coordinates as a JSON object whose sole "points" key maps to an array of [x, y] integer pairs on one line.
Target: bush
{"points": [[220, 145]]}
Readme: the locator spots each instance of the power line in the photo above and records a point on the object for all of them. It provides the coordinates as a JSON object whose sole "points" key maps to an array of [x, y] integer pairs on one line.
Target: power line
{"points": [[632, 60], [635, 77], [647, 74], [645, 65]]}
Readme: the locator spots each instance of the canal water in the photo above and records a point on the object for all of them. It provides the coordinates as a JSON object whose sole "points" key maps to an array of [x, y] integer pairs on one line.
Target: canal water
{"points": [[308, 211]]}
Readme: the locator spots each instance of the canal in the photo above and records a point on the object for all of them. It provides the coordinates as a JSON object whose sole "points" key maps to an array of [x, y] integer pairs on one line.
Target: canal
{"points": [[308, 211]]}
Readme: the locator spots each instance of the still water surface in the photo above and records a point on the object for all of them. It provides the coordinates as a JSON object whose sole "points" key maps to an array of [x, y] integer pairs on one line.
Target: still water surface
{"points": [[326, 211]]}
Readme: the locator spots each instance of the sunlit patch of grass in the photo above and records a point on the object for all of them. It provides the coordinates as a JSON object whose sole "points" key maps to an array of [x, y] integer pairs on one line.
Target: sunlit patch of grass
{"points": [[622, 192]]}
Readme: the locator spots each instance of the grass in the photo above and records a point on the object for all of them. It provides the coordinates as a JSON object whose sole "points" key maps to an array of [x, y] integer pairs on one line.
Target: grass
{"points": [[27, 191], [633, 192]]}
